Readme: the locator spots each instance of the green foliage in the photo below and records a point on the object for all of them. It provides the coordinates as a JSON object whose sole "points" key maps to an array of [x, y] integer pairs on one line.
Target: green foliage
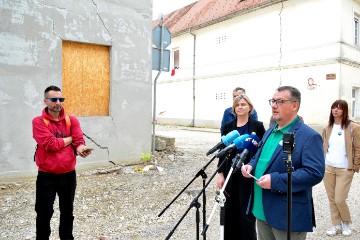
{"points": [[146, 157]]}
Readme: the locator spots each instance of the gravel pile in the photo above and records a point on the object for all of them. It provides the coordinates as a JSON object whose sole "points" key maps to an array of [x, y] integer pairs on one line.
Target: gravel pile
{"points": [[123, 202]]}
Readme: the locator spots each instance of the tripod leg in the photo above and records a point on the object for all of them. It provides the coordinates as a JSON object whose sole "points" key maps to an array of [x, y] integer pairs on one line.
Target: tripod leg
{"points": [[204, 206], [209, 219], [197, 223], [222, 222]]}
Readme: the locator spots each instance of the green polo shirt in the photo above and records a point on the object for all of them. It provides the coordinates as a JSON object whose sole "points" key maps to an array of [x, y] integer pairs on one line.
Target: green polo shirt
{"points": [[269, 148]]}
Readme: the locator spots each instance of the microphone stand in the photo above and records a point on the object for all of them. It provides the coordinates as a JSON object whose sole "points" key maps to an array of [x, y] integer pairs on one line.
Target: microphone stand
{"points": [[290, 170], [220, 198], [194, 203], [222, 222], [288, 146]]}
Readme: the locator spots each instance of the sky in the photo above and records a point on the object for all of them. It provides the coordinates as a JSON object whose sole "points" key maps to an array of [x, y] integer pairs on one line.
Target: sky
{"points": [[167, 6]]}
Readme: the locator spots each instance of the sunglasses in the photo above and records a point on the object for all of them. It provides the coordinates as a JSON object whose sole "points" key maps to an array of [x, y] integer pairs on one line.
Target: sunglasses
{"points": [[54, 99]]}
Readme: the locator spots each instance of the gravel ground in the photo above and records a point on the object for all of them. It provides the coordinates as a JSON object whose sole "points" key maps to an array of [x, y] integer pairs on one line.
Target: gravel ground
{"points": [[123, 202]]}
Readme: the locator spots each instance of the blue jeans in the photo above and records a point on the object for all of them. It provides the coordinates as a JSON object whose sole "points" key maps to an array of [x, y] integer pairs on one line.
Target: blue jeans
{"points": [[47, 186]]}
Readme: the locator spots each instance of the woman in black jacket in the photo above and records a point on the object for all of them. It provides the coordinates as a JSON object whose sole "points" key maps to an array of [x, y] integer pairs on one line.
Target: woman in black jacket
{"points": [[238, 225]]}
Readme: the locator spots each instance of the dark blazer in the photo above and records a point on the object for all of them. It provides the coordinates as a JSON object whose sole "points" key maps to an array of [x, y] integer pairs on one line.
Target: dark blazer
{"points": [[309, 167], [254, 126]]}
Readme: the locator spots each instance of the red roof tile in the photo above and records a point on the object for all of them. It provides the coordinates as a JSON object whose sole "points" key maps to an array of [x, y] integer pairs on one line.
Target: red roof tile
{"points": [[205, 12]]}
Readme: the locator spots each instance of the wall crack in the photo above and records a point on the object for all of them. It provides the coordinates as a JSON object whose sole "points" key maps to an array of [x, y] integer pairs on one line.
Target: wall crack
{"points": [[101, 147], [53, 30], [97, 13]]}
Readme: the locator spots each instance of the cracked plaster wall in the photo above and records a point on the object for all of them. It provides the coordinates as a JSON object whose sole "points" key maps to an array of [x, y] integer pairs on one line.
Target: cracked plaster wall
{"points": [[31, 35]]}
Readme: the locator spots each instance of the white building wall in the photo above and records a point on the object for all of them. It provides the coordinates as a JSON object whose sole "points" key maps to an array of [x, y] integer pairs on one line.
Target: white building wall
{"points": [[260, 51]]}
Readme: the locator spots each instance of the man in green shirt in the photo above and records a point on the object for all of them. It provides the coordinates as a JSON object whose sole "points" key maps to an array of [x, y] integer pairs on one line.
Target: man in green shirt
{"points": [[269, 202]]}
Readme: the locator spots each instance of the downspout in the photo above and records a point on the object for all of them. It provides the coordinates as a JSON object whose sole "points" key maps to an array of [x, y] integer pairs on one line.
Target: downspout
{"points": [[341, 94], [193, 78]]}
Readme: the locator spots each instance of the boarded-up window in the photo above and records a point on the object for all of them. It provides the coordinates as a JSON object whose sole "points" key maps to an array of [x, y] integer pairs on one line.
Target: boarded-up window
{"points": [[86, 79]]}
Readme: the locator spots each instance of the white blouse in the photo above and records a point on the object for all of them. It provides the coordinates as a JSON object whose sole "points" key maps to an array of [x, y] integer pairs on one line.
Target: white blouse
{"points": [[336, 154]]}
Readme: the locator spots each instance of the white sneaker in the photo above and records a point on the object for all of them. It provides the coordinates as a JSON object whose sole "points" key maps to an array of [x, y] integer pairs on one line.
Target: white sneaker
{"points": [[346, 231], [335, 229]]}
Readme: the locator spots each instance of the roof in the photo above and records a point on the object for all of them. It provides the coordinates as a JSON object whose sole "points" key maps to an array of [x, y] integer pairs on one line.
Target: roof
{"points": [[206, 12]]}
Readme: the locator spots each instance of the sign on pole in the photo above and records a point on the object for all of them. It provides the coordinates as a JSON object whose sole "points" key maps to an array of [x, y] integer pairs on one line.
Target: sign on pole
{"points": [[156, 60], [160, 61], [166, 38], [160, 56]]}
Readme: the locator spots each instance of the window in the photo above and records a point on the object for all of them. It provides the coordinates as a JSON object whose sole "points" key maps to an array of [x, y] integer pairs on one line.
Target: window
{"points": [[220, 96], [355, 102], [86, 79], [221, 39], [356, 29], [176, 60]]}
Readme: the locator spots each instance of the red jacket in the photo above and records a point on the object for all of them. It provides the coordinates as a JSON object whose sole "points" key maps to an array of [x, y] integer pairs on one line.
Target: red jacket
{"points": [[51, 155]]}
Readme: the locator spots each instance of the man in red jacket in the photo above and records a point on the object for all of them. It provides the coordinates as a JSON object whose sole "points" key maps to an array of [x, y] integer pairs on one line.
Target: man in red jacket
{"points": [[59, 138]]}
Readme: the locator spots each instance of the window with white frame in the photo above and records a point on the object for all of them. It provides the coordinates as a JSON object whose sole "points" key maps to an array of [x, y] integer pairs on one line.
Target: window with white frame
{"points": [[176, 58], [356, 29], [355, 103]]}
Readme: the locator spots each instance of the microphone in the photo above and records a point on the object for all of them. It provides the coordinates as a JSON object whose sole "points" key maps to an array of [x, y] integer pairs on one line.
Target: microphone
{"points": [[237, 144], [251, 144], [288, 142], [225, 141]]}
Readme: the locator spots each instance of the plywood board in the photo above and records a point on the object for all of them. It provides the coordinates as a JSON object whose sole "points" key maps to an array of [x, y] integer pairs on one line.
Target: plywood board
{"points": [[86, 79]]}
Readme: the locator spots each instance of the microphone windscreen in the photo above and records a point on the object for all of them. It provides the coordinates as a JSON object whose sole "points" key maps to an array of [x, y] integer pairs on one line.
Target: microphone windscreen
{"points": [[251, 143], [230, 137], [239, 142]]}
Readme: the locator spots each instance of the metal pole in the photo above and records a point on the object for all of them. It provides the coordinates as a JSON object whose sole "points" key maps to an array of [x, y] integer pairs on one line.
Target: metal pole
{"points": [[290, 170], [155, 81], [194, 55], [154, 115]]}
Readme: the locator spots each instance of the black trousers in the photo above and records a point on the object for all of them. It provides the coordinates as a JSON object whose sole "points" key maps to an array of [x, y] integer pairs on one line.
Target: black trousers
{"points": [[47, 186], [238, 225]]}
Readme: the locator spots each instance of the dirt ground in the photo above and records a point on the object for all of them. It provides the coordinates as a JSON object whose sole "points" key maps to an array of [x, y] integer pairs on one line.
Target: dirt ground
{"points": [[123, 202]]}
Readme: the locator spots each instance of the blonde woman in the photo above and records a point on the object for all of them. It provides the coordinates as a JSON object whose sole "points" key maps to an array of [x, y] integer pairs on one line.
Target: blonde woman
{"points": [[341, 139], [238, 224]]}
